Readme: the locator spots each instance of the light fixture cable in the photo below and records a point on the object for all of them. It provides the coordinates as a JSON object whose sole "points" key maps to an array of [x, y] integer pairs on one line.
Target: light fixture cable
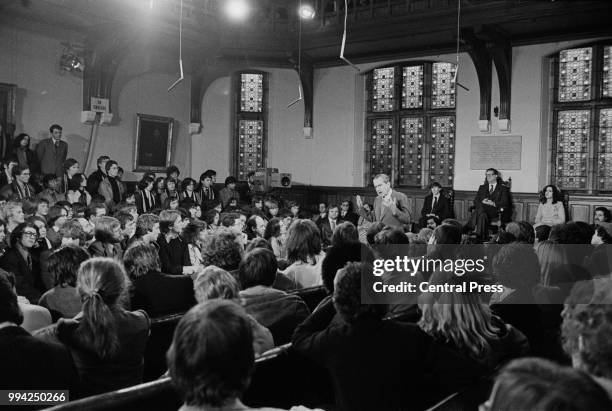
{"points": [[344, 39], [180, 49]]}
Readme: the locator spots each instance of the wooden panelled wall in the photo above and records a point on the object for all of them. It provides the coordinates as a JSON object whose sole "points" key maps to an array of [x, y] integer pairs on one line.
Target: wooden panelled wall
{"points": [[525, 204]]}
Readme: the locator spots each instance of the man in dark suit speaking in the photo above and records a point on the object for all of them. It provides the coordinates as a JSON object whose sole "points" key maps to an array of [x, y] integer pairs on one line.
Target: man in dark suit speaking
{"points": [[435, 205], [492, 198], [390, 207]]}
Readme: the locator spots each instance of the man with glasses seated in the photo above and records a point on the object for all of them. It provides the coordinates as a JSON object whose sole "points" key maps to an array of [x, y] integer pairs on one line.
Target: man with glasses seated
{"points": [[492, 199], [20, 188]]}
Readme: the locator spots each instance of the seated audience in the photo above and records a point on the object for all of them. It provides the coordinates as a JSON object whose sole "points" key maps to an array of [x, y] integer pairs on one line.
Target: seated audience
{"points": [[328, 225], [154, 292], [346, 232], [108, 235], [107, 342], [541, 385], [170, 194], [55, 220], [522, 231], [111, 188], [13, 216], [341, 335], [188, 191], [50, 190], [145, 197], [193, 235], [587, 330], [550, 210], [541, 233], [72, 233], [211, 358], [274, 309], [20, 261], [20, 188], [63, 300], [212, 283], [346, 213], [255, 227], [304, 254], [229, 192], [27, 362], [276, 240]]}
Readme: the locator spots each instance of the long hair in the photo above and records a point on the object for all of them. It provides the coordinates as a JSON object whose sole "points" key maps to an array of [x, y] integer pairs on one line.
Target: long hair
{"points": [[101, 283], [459, 318], [555, 197], [19, 138], [303, 242], [141, 258]]}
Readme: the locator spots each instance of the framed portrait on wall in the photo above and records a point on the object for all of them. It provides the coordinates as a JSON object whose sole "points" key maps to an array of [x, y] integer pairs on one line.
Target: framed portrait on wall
{"points": [[153, 144]]}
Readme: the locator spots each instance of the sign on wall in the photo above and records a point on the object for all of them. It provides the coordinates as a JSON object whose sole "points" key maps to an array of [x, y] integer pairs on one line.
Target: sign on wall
{"points": [[99, 105], [500, 152]]}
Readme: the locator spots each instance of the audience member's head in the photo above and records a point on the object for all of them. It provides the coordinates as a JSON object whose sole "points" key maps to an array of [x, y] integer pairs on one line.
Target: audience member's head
{"points": [[391, 236], [64, 263], [141, 258], [211, 358], [373, 232], [601, 215], [516, 266], [347, 295], [542, 232], [603, 234], [102, 285], [303, 241], [446, 234], [536, 384], [522, 231], [587, 327], [337, 257], [258, 243], [108, 230], [222, 249], [214, 282], [258, 267], [170, 221], [147, 227], [345, 233], [72, 233]]}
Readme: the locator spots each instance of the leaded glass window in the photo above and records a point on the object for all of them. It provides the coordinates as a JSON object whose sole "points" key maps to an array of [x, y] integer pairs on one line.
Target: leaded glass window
{"points": [[251, 92], [250, 124], [582, 109], [383, 89], [381, 150], [575, 74], [411, 138], [604, 165], [572, 148], [443, 85]]}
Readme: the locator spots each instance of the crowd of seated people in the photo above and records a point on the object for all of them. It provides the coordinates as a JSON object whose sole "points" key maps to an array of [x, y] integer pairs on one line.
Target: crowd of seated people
{"points": [[86, 264]]}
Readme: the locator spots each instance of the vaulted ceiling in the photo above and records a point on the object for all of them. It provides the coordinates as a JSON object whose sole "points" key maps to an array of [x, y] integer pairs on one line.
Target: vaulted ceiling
{"points": [[376, 29]]}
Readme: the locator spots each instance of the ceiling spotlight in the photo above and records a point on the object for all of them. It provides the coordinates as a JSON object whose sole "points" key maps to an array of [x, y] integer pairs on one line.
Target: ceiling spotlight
{"points": [[307, 12], [237, 9]]}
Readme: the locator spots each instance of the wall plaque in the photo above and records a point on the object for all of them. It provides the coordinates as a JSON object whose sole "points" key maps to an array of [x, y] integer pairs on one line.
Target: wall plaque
{"points": [[500, 152]]}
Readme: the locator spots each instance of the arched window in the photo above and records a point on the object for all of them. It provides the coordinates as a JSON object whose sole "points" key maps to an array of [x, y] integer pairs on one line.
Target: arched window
{"points": [[582, 119], [411, 123], [250, 122]]}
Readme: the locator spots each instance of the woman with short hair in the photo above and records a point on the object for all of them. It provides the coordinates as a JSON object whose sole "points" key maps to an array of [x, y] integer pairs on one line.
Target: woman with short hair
{"points": [[106, 341]]}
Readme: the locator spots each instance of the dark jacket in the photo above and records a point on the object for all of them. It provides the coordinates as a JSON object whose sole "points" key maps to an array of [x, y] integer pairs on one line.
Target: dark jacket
{"points": [[351, 217], [442, 209], [50, 157], [276, 310], [501, 198], [382, 365], [159, 294], [15, 193], [30, 159], [99, 375], [173, 256], [31, 364], [143, 205], [28, 281], [94, 180], [99, 249]]}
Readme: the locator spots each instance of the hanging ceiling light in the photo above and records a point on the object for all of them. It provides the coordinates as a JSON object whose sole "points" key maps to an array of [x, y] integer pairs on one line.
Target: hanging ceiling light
{"points": [[237, 9], [306, 11]]}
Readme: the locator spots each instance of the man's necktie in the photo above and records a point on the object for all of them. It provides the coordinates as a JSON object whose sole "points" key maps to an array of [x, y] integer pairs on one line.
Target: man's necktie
{"points": [[491, 189], [435, 203]]}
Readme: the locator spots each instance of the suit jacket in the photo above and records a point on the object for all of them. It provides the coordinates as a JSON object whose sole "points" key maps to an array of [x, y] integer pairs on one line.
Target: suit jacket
{"points": [[326, 230], [29, 363], [106, 190], [384, 215], [50, 158], [442, 209], [500, 196], [143, 205], [350, 217], [27, 281], [417, 371]]}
